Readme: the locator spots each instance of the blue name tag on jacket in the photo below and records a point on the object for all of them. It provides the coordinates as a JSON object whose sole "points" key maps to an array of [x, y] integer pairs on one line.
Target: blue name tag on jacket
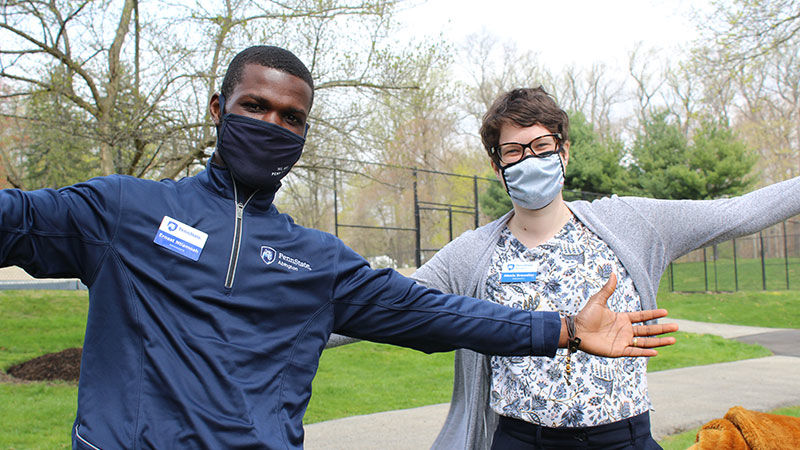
{"points": [[518, 272], [180, 238]]}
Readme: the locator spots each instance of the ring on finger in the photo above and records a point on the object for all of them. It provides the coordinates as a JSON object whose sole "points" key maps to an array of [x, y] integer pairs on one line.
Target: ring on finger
{"points": [[635, 342]]}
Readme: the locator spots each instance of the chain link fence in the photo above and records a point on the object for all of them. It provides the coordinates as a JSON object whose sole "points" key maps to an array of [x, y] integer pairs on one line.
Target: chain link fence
{"points": [[769, 260], [398, 217]]}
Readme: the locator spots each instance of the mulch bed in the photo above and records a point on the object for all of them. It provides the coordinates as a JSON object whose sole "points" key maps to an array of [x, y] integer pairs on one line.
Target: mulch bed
{"points": [[64, 365]]}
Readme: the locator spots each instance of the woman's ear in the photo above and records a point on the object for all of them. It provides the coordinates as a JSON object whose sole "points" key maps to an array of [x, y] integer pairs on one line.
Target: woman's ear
{"points": [[565, 153], [497, 173], [494, 167]]}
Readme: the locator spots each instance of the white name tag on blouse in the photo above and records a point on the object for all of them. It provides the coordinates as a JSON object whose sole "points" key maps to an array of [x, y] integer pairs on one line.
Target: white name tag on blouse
{"points": [[519, 272]]}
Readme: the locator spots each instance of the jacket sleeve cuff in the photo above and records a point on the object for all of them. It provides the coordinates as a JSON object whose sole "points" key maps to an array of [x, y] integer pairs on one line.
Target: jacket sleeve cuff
{"points": [[545, 331]]}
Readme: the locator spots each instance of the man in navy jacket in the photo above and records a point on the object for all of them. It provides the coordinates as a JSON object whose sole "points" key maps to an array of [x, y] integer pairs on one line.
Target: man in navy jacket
{"points": [[209, 309]]}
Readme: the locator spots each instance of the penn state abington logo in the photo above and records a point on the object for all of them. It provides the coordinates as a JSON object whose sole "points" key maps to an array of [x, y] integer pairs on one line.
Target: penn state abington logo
{"points": [[268, 254]]}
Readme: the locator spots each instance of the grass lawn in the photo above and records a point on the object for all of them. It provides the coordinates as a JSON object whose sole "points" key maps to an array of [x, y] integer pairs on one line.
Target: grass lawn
{"points": [[776, 309], [723, 276], [354, 379], [37, 415], [366, 377], [34, 322], [696, 350]]}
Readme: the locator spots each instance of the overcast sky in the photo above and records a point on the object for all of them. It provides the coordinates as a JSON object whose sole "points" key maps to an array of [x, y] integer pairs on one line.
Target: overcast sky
{"points": [[578, 32]]}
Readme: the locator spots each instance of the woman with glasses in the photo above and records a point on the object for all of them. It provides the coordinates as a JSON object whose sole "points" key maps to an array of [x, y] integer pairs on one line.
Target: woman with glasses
{"points": [[551, 255]]}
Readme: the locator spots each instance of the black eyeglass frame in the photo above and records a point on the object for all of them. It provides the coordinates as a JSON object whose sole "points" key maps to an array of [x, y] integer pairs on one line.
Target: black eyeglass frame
{"points": [[495, 151]]}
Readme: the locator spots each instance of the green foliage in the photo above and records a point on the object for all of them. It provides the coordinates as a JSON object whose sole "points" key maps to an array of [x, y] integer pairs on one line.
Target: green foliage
{"points": [[494, 200], [723, 162], [748, 50], [660, 153], [746, 30], [59, 152], [668, 165], [594, 165]]}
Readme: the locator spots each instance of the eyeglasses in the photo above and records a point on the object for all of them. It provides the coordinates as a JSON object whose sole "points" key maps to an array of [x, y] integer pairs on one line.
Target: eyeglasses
{"points": [[541, 147]]}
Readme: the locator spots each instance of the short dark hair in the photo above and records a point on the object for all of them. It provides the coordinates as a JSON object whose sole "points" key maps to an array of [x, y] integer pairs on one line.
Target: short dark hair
{"points": [[267, 56], [523, 107]]}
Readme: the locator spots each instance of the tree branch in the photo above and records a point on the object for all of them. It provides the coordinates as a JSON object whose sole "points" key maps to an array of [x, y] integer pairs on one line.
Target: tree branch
{"points": [[54, 52], [359, 83], [50, 88]]}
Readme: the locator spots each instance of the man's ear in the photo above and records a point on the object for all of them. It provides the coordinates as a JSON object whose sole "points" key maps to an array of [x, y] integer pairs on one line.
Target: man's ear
{"points": [[213, 108]]}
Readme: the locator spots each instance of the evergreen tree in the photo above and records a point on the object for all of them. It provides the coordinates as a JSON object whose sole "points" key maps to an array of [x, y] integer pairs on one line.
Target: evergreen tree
{"points": [[668, 165]]}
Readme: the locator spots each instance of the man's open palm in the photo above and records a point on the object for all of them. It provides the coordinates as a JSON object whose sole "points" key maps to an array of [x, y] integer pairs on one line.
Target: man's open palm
{"points": [[604, 332]]}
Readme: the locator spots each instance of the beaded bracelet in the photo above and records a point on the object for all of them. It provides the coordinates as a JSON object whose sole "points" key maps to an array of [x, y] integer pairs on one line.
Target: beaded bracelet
{"points": [[572, 344]]}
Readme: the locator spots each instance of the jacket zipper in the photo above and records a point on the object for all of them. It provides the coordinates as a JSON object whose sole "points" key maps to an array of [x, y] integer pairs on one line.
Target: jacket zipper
{"points": [[237, 236], [80, 438]]}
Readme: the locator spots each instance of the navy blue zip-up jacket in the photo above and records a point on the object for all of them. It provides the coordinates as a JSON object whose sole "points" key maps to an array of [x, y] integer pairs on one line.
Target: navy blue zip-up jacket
{"points": [[220, 352]]}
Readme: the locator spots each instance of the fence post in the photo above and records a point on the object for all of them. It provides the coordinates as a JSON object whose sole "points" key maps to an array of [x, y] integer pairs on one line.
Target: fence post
{"points": [[450, 221], [705, 268], [475, 198], [335, 207], [716, 284], [418, 239], [735, 269], [763, 262], [671, 278], [786, 255]]}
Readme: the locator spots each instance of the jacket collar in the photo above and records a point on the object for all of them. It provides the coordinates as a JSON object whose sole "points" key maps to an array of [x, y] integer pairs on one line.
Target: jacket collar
{"points": [[218, 180]]}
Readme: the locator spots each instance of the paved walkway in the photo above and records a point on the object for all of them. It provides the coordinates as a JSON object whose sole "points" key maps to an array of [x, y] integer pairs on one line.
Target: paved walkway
{"points": [[683, 398]]}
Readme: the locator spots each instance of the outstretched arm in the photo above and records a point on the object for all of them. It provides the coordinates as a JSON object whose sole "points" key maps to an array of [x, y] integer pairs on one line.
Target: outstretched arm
{"points": [[604, 332], [59, 233]]}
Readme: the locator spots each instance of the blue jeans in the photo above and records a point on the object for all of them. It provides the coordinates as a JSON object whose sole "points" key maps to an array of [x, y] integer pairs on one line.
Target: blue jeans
{"points": [[629, 434]]}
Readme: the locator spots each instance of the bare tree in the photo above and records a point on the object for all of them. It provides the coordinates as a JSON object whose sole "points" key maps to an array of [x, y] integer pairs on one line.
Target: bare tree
{"points": [[685, 91], [140, 83], [768, 113], [749, 55], [649, 78], [411, 126], [744, 30], [593, 92], [38, 34], [492, 67]]}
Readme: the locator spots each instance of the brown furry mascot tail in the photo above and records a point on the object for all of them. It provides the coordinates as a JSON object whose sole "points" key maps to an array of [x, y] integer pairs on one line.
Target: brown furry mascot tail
{"points": [[745, 429]]}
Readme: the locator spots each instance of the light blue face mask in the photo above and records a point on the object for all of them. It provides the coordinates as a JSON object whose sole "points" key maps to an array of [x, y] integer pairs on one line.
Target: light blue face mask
{"points": [[532, 182]]}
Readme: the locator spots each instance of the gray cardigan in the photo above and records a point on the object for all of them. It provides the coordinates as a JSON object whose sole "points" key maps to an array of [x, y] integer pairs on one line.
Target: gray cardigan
{"points": [[645, 234]]}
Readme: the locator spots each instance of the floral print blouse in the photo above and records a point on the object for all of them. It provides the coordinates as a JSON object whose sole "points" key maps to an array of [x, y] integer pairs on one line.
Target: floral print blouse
{"points": [[571, 267]]}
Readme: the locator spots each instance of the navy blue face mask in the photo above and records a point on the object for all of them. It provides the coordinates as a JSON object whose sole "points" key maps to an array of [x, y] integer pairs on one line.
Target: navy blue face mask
{"points": [[257, 153]]}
